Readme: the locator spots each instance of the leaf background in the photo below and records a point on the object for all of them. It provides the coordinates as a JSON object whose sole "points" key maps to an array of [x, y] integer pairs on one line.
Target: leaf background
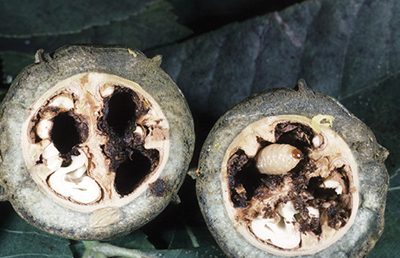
{"points": [[348, 49]]}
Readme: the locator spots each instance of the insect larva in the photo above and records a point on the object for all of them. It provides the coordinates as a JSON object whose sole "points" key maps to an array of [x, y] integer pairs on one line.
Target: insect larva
{"points": [[276, 159]]}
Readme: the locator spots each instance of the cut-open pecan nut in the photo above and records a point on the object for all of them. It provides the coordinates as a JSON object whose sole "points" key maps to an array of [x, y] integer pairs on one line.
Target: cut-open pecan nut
{"points": [[87, 132], [286, 172]]}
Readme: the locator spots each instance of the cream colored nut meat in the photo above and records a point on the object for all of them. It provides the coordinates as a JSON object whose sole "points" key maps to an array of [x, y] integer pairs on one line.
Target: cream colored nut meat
{"points": [[281, 232], [290, 184], [94, 141]]}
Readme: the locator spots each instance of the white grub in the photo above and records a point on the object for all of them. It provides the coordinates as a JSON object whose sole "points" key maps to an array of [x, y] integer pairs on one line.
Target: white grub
{"points": [[281, 233], [63, 103], [277, 159], [74, 183], [43, 128], [105, 217]]}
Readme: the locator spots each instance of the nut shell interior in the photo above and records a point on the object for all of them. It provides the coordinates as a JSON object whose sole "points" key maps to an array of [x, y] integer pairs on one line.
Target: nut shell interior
{"points": [[119, 137], [301, 204], [230, 202], [101, 120]]}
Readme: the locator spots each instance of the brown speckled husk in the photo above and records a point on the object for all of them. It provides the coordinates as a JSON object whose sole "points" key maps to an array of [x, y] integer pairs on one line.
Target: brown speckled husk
{"points": [[369, 155], [23, 193]]}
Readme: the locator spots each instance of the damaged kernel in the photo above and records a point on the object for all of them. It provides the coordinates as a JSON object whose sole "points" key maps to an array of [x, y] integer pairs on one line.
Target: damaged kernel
{"points": [[86, 133], [293, 202], [95, 148], [287, 177]]}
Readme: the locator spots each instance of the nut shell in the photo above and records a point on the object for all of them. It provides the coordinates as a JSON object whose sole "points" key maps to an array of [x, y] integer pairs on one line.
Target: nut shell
{"points": [[301, 101], [33, 204]]}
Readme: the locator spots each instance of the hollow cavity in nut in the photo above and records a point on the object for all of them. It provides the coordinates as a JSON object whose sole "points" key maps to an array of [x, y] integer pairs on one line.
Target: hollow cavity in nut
{"points": [[316, 195], [104, 121]]}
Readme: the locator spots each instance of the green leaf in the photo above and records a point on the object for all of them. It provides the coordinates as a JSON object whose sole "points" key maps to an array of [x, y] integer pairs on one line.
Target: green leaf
{"points": [[19, 239], [12, 64], [206, 251], [388, 245], [156, 26], [47, 17], [393, 200], [376, 105], [134, 240], [187, 243], [96, 249], [153, 26]]}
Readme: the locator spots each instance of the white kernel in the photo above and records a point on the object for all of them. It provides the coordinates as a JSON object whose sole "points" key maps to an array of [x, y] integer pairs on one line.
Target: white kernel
{"points": [[313, 212], [62, 102], [287, 211], [73, 181], [52, 157], [50, 151], [106, 90], [43, 128], [333, 185], [316, 141], [281, 234], [139, 130]]}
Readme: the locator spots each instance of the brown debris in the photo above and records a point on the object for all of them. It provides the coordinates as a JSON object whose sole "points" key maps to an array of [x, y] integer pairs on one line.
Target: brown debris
{"points": [[254, 194]]}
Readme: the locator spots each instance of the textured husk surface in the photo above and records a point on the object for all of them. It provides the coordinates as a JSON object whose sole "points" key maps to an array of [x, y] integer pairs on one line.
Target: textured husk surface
{"points": [[23, 193], [369, 156]]}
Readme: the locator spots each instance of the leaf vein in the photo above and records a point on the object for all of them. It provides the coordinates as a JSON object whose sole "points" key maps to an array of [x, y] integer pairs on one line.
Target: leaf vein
{"points": [[370, 86]]}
